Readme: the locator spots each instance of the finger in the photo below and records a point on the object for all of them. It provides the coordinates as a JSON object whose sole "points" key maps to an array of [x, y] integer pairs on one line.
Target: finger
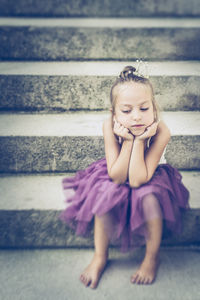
{"points": [[125, 130], [117, 124], [151, 125], [115, 120], [155, 125]]}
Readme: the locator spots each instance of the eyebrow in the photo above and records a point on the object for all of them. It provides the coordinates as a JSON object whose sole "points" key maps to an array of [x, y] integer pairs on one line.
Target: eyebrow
{"points": [[144, 102], [128, 105]]}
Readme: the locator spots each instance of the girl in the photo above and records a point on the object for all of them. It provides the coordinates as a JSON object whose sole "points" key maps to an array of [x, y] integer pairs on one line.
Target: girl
{"points": [[130, 196]]}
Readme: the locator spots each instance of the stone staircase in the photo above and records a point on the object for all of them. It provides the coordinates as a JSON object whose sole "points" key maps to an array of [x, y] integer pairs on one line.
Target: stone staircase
{"points": [[58, 59], [57, 62]]}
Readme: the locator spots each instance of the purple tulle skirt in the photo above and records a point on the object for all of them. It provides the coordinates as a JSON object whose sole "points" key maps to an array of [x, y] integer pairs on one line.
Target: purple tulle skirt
{"points": [[124, 210]]}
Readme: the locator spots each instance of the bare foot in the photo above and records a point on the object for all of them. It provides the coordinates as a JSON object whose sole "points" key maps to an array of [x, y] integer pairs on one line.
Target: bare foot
{"points": [[91, 275], [147, 271]]}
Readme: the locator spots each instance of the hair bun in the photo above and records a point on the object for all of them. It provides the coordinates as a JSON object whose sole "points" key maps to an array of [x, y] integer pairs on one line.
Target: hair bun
{"points": [[127, 72]]}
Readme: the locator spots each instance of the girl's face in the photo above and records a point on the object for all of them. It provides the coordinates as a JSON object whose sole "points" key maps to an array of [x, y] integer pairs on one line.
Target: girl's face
{"points": [[134, 107]]}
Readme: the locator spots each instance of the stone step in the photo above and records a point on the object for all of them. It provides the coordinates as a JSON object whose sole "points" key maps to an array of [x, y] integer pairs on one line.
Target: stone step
{"points": [[103, 8], [101, 22], [30, 207], [100, 39], [67, 142], [44, 192], [62, 86], [54, 274]]}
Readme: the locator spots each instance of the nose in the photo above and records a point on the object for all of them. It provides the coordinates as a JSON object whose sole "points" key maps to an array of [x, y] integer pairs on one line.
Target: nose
{"points": [[136, 115]]}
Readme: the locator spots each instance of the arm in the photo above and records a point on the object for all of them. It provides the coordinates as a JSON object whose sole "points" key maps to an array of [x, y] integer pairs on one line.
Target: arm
{"points": [[117, 159], [142, 165]]}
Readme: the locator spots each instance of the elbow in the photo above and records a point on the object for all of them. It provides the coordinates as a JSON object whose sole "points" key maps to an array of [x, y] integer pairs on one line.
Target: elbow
{"points": [[137, 183], [116, 179]]}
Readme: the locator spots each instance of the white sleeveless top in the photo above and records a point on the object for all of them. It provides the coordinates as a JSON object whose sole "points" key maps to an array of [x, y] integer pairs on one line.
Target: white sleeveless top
{"points": [[162, 159]]}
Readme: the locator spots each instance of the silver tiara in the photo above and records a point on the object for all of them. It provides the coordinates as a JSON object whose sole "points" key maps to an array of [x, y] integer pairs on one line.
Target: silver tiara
{"points": [[142, 69]]}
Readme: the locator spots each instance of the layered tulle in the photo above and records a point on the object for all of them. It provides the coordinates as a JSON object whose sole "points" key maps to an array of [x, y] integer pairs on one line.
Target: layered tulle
{"points": [[124, 210]]}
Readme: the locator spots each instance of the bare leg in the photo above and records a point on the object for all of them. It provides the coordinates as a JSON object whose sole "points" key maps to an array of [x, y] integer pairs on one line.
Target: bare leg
{"points": [[148, 269], [91, 275]]}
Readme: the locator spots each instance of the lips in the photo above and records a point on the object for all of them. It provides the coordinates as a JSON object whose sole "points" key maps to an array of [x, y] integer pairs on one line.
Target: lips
{"points": [[138, 126]]}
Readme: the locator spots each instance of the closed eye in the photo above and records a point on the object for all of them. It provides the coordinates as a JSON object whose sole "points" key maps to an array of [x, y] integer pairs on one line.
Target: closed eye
{"points": [[126, 111], [144, 109]]}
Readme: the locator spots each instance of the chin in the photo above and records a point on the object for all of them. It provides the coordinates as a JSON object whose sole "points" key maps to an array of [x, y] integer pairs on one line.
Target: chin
{"points": [[138, 132]]}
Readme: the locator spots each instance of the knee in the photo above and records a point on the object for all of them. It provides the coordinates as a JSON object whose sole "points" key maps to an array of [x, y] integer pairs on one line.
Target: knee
{"points": [[151, 205]]}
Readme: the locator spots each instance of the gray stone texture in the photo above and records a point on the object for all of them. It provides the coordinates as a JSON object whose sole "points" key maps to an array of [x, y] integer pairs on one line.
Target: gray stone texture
{"points": [[183, 152], [96, 8], [43, 228], [35, 228], [61, 43], [68, 154], [48, 154], [63, 93]]}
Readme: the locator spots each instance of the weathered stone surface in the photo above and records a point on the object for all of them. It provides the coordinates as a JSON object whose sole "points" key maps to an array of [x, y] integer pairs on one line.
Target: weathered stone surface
{"points": [[105, 8], [34, 228], [191, 225], [183, 151], [62, 93], [63, 154], [61, 43], [48, 154]]}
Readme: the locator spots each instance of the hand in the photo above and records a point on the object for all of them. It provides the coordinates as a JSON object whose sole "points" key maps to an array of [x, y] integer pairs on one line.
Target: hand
{"points": [[149, 132], [122, 131]]}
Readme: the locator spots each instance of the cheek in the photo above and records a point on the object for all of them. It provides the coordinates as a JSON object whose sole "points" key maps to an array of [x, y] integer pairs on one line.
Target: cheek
{"points": [[149, 119], [122, 120]]}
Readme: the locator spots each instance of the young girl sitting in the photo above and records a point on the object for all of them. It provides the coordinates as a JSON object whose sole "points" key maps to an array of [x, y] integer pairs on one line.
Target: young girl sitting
{"points": [[129, 194]]}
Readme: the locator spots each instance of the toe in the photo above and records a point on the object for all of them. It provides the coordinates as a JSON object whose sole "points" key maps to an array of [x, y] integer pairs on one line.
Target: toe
{"points": [[146, 281], [94, 285], [142, 280], [94, 282], [87, 281], [134, 278], [150, 281], [84, 279], [138, 280]]}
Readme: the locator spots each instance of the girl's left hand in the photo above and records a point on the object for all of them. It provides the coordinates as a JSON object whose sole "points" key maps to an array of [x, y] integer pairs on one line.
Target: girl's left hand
{"points": [[149, 132]]}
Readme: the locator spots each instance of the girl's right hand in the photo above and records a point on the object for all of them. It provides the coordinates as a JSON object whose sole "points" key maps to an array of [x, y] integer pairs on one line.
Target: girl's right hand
{"points": [[122, 131]]}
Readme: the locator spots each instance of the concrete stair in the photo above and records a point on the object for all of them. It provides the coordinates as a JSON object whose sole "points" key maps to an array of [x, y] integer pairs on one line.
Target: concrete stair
{"points": [[103, 8], [55, 76], [56, 143], [100, 39], [30, 206], [63, 86]]}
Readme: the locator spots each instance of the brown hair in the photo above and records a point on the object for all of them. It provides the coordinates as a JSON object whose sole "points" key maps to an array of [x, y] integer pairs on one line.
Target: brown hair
{"points": [[129, 74]]}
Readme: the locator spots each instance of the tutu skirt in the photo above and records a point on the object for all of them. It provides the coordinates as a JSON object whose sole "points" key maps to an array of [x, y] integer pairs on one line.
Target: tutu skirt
{"points": [[124, 210]]}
